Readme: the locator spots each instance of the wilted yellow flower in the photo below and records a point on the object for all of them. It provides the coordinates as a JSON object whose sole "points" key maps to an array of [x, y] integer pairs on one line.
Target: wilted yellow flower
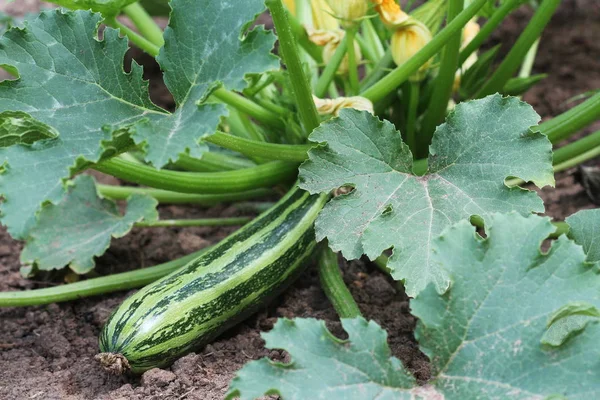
{"points": [[469, 32], [407, 41], [330, 40], [390, 13], [349, 10], [334, 106]]}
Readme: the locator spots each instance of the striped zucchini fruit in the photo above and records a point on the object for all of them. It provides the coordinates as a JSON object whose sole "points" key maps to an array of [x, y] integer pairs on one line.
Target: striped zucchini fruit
{"points": [[188, 308]]}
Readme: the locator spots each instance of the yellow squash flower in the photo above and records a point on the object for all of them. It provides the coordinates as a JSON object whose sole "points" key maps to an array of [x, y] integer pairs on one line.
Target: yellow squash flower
{"points": [[334, 106], [349, 11], [407, 41], [330, 40], [390, 13]]}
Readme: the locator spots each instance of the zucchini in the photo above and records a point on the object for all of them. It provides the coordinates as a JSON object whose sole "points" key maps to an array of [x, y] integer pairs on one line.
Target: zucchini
{"points": [[188, 308]]}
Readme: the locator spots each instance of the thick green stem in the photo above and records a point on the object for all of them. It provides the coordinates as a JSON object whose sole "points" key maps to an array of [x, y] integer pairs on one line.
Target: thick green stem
{"points": [[95, 286], [334, 287], [213, 162], [352, 66], [145, 24], [577, 148], [411, 121], [527, 67], [249, 107], [311, 49], [372, 40], [399, 75], [331, 69], [567, 123], [194, 222], [166, 197], [379, 70], [252, 148], [261, 176], [444, 82], [486, 30], [580, 159], [289, 52], [519, 50], [141, 42]]}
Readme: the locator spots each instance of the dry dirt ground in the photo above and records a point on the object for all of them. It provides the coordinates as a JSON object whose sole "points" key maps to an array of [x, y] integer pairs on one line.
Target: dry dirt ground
{"points": [[47, 352]]}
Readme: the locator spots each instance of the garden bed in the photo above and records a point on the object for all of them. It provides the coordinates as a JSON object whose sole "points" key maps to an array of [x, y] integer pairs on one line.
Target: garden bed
{"points": [[48, 352]]}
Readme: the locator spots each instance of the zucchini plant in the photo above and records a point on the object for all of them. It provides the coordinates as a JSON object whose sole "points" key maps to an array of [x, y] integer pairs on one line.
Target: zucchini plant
{"points": [[393, 136]]}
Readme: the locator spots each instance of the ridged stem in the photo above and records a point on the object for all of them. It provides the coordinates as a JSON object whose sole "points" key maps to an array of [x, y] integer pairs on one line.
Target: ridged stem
{"points": [[444, 82], [352, 66], [249, 107], [331, 68], [576, 148], [519, 50], [166, 197], [334, 287], [194, 222], [253, 148], [289, 51], [488, 28], [261, 176], [145, 24], [569, 122], [94, 286], [213, 162]]}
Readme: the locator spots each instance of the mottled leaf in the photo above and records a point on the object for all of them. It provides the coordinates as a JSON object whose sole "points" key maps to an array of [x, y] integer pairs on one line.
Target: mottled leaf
{"points": [[506, 328], [72, 84], [324, 367], [80, 227], [482, 143], [205, 47], [106, 7]]}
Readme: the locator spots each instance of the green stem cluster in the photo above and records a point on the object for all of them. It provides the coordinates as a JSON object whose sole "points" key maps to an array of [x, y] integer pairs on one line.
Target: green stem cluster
{"points": [[399, 75]]}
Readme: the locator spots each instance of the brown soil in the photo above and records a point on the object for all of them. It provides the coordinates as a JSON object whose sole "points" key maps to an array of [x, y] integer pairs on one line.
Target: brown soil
{"points": [[47, 352]]}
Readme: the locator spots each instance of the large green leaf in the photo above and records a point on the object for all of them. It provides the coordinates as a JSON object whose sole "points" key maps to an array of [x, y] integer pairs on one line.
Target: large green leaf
{"points": [[80, 227], [481, 144], [514, 324], [324, 367], [106, 7], [74, 84], [202, 51]]}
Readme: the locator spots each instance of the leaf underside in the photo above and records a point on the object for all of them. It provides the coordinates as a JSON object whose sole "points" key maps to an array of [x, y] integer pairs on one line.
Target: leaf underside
{"points": [[509, 327], [482, 143], [80, 227], [72, 84]]}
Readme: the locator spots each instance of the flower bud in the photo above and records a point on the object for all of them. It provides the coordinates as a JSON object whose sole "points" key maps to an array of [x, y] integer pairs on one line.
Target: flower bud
{"points": [[349, 10], [334, 106], [323, 16], [331, 41], [407, 41], [390, 13]]}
